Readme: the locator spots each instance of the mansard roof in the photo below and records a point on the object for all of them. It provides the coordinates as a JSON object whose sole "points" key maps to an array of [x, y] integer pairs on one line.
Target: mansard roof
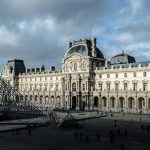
{"points": [[84, 47], [122, 58]]}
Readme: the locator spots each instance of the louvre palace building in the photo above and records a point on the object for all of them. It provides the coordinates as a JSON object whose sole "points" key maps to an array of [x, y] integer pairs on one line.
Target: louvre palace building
{"points": [[86, 81]]}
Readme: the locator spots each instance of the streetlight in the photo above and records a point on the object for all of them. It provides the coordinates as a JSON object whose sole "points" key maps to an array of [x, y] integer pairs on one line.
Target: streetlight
{"points": [[100, 101], [146, 92]]}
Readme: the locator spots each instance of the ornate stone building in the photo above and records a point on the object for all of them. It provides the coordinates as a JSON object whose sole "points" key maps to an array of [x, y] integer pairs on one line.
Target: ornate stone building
{"points": [[86, 81]]}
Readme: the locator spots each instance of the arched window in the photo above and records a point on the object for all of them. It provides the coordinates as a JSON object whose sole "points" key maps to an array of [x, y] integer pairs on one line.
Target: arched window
{"points": [[41, 98], [130, 102], [144, 74], [96, 101], [46, 99], [52, 99], [149, 103], [26, 97], [112, 101], [30, 97], [35, 98], [73, 86], [125, 74], [17, 98], [66, 67], [75, 66]]}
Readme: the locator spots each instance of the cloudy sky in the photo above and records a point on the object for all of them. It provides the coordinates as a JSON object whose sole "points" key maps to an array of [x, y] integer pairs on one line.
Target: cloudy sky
{"points": [[37, 31]]}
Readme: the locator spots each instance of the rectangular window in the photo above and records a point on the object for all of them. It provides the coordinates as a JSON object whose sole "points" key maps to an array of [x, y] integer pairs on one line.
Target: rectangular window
{"points": [[144, 86], [125, 74], [40, 87], [116, 86], [56, 87], [35, 87], [134, 86], [125, 86], [83, 87], [116, 75], [100, 87], [108, 75], [100, 75], [144, 74], [30, 87], [45, 87], [134, 74], [108, 86]]}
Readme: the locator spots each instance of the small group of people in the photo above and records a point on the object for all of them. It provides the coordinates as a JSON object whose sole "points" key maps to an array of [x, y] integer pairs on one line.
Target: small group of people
{"points": [[81, 136]]}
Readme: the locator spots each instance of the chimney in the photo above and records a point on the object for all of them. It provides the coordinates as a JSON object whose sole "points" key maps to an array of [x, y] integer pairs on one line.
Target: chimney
{"points": [[42, 68], [69, 45], [93, 41], [52, 68]]}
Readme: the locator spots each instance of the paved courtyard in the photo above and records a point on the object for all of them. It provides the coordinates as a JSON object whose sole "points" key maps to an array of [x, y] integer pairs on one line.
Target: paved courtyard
{"points": [[128, 132]]}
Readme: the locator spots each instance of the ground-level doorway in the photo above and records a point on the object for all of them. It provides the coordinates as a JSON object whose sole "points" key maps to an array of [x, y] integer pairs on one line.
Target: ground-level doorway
{"points": [[74, 102]]}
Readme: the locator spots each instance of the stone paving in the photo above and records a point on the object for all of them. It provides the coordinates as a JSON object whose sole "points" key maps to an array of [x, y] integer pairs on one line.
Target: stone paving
{"points": [[130, 132]]}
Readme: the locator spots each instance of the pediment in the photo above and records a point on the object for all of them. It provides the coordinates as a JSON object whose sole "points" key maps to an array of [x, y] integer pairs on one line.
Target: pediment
{"points": [[74, 56]]}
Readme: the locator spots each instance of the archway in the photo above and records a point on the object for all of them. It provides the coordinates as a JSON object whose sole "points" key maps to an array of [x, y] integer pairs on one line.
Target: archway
{"points": [[140, 102], [95, 101], [104, 102], [83, 105], [35, 98], [112, 102], [17, 99], [74, 101], [52, 99], [149, 103], [41, 99], [130, 102], [73, 87], [46, 100], [58, 100], [26, 98], [121, 102], [30, 98]]}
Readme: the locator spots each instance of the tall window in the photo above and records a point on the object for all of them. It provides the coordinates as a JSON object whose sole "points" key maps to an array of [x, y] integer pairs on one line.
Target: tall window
{"points": [[108, 75], [108, 86], [125, 86], [46, 87], [100, 75], [73, 86], [30, 87], [144, 74], [31, 98], [41, 98], [134, 74], [100, 87], [92, 66], [66, 67], [134, 86], [116, 75], [36, 98], [35, 87], [66, 87], [83, 87], [125, 74], [56, 87], [144, 86], [40, 87], [75, 66], [116, 86]]}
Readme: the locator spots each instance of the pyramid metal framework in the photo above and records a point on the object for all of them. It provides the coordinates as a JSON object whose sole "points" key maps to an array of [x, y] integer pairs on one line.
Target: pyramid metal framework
{"points": [[14, 105]]}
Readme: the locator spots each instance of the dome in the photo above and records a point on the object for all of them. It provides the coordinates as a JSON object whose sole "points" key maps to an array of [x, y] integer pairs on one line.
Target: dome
{"points": [[84, 49], [122, 58]]}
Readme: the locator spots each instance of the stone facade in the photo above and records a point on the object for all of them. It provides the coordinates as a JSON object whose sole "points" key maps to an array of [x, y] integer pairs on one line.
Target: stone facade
{"points": [[86, 81]]}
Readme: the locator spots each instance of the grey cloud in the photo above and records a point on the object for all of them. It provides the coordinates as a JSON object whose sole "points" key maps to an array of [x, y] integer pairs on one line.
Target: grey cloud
{"points": [[73, 19]]}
